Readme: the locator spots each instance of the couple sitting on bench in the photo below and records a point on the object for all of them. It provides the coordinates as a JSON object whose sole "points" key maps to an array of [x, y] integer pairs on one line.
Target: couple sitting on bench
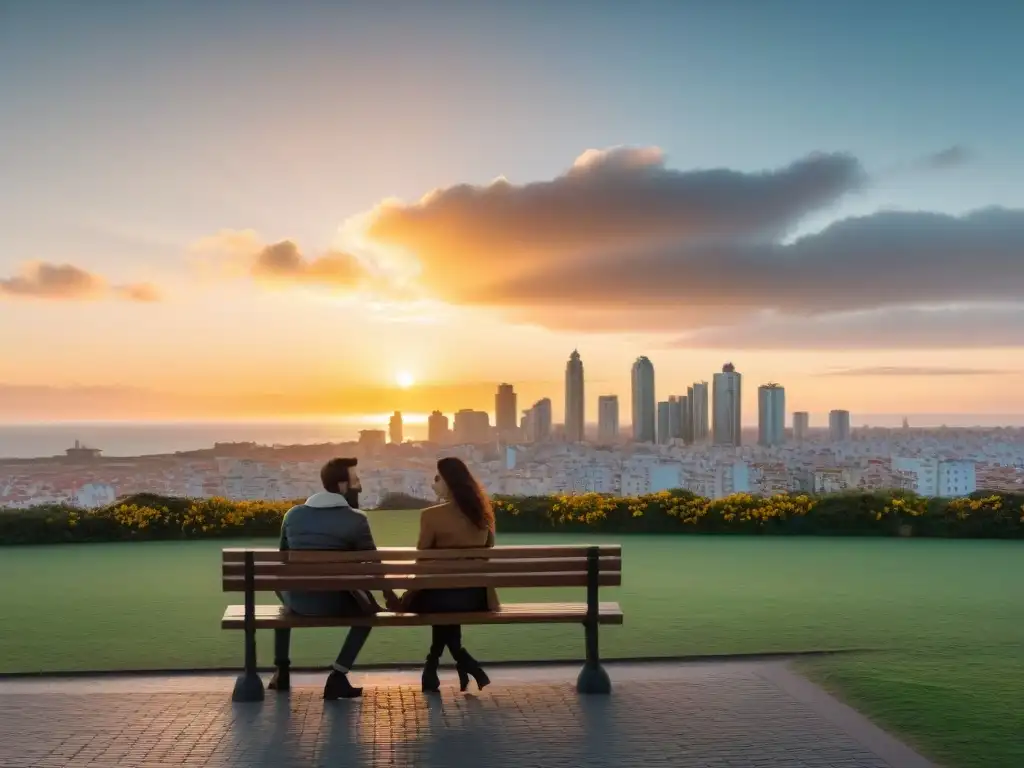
{"points": [[328, 521]]}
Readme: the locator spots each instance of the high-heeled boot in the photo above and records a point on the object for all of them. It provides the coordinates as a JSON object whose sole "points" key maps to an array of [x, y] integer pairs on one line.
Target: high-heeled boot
{"points": [[468, 667], [431, 682]]}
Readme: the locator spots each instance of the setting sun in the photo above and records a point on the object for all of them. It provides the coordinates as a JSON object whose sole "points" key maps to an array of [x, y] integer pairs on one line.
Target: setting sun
{"points": [[404, 379]]}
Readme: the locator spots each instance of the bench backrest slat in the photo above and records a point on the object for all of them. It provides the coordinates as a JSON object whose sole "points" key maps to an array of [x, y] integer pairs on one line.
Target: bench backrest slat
{"points": [[411, 553], [306, 568], [430, 581], [408, 568]]}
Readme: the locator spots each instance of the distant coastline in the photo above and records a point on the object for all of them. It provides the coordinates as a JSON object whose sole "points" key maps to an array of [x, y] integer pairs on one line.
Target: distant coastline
{"points": [[131, 439]]}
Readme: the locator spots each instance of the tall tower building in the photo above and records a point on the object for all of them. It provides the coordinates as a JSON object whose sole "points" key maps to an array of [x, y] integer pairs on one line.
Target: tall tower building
{"points": [[505, 410], [536, 423], [727, 420], [801, 425], [698, 397], [686, 417], [771, 414], [644, 404], [676, 406], [608, 419], [437, 428], [472, 427], [395, 428], [838, 426], [574, 398], [664, 422]]}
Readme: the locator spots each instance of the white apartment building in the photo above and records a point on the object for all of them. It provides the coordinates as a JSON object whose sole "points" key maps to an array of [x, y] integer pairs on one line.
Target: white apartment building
{"points": [[731, 477], [650, 476], [935, 477], [95, 495]]}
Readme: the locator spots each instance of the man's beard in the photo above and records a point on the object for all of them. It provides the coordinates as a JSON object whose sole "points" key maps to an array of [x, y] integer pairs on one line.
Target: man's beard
{"points": [[352, 497]]}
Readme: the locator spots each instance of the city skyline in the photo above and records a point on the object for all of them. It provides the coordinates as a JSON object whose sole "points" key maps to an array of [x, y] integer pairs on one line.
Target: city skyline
{"points": [[227, 236], [679, 417]]}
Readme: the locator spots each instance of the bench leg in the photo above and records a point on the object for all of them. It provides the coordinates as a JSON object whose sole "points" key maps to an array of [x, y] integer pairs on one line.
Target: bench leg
{"points": [[593, 678], [248, 686]]}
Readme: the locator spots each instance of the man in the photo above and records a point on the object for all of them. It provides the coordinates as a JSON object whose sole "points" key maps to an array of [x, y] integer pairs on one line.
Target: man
{"points": [[328, 521]]}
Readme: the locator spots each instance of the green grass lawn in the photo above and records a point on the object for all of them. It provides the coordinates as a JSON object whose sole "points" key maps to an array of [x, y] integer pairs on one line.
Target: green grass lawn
{"points": [[947, 616]]}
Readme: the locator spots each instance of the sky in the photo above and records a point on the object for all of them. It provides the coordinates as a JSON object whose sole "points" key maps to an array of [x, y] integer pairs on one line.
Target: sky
{"points": [[253, 209]]}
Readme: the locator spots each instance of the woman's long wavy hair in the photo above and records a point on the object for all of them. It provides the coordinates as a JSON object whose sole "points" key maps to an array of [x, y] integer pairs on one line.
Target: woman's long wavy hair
{"points": [[466, 492]]}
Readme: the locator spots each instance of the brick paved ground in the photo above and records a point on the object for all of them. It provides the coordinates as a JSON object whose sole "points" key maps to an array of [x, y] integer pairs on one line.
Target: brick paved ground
{"points": [[707, 715]]}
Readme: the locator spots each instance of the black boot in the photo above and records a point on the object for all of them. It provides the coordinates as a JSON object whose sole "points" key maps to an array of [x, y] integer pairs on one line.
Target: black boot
{"points": [[338, 687], [431, 682], [281, 681], [468, 667]]}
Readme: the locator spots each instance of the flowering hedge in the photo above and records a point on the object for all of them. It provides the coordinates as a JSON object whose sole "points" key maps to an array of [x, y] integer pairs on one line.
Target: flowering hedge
{"points": [[151, 517], [983, 515]]}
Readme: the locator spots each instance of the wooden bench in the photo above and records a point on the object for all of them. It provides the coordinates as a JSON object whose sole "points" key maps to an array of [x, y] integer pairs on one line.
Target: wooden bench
{"points": [[269, 570]]}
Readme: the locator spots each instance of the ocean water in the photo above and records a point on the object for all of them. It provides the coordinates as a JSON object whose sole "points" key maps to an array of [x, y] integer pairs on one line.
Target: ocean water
{"points": [[138, 439]]}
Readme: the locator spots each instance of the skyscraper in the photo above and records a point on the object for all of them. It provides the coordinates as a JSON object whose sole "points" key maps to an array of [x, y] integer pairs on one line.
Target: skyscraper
{"points": [[771, 414], [644, 404], [505, 410], [472, 427], [727, 420], [686, 417], [537, 421], [608, 419], [437, 428], [676, 405], [664, 422], [838, 426], [801, 425], [698, 397], [574, 398], [395, 428]]}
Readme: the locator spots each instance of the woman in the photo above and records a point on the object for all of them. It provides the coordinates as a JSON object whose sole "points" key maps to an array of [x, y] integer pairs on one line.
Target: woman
{"points": [[463, 520]]}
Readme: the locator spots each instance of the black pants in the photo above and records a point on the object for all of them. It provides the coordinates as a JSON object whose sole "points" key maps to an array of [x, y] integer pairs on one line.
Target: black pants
{"points": [[326, 604], [448, 636], [354, 642]]}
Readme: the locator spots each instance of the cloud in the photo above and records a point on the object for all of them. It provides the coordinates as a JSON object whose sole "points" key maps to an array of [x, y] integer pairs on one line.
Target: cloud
{"points": [[963, 327], [950, 157], [145, 293], [898, 370], [242, 252], [622, 242], [885, 259], [284, 261], [66, 282], [471, 237]]}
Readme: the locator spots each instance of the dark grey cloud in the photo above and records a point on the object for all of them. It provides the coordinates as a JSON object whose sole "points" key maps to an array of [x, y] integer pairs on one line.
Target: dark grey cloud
{"points": [[907, 370], [66, 282], [885, 259], [966, 327], [950, 157]]}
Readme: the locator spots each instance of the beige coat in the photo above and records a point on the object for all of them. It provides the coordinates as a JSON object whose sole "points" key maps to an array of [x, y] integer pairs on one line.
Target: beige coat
{"points": [[444, 527]]}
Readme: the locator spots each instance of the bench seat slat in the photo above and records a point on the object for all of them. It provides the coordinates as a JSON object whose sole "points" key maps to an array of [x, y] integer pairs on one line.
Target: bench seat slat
{"points": [[277, 616], [401, 567], [263, 583], [233, 555]]}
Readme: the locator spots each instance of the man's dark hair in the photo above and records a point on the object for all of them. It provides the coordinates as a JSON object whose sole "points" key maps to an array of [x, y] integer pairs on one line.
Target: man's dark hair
{"points": [[335, 472]]}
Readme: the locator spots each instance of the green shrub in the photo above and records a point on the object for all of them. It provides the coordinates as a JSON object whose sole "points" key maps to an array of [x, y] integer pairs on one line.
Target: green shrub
{"points": [[150, 517]]}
